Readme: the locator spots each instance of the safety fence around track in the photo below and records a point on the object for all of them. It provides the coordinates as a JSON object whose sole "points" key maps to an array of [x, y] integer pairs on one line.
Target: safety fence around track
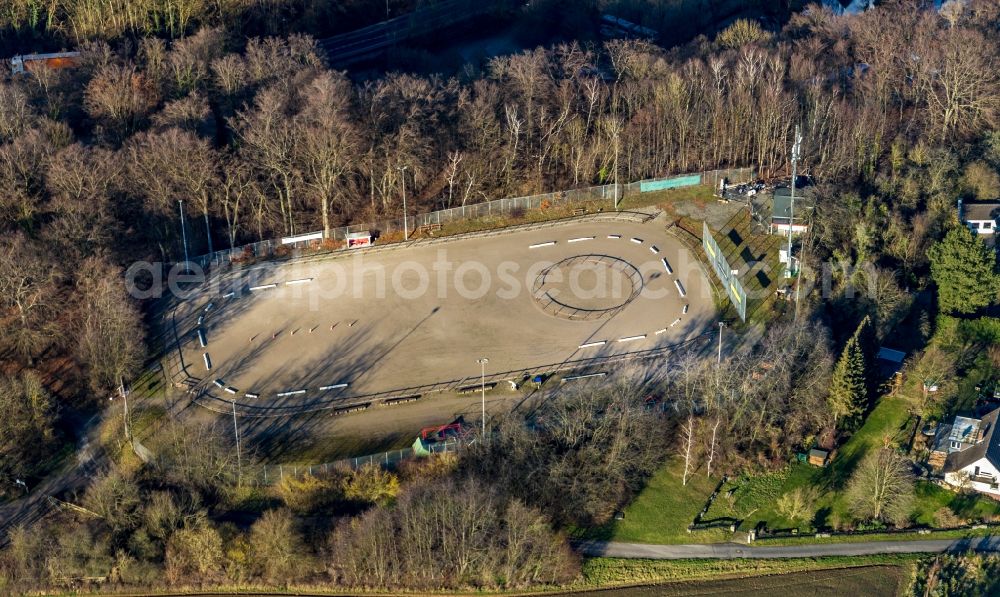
{"points": [[426, 223], [269, 474]]}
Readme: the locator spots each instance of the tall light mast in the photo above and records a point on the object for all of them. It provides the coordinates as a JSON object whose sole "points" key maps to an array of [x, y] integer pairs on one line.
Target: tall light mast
{"points": [[796, 152]]}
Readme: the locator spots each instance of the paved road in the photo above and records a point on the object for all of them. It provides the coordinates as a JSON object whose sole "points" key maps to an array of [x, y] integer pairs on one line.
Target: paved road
{"points": [[727, 551]]}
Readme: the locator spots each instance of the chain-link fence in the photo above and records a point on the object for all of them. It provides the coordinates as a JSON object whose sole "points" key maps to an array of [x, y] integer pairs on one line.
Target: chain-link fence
{"points": [[269, 474], [428, 223]]}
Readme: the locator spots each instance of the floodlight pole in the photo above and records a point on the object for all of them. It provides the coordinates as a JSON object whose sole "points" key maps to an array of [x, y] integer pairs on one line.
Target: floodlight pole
{"points": [[406, 228], [180, 205], [616, 170], [722, 324], [239, 460], [482, 380]]}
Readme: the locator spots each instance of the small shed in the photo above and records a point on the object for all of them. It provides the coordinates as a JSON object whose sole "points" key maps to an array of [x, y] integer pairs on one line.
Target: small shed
{"points": [[890, 361], [783, 215], [818, 457]]}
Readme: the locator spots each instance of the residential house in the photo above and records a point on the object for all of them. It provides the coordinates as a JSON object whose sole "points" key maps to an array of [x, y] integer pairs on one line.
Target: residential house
{"points": [[781, 210], [980, 216], [971, 449]]}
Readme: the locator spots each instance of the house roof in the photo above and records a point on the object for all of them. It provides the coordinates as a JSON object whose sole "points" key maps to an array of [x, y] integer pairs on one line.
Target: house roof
{"points": [[891, 355], [980, 211], [782, 202], [989, 447]]}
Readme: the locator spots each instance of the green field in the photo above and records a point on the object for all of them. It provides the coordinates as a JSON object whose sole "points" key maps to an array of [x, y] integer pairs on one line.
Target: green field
{"points": [[878, 580]]}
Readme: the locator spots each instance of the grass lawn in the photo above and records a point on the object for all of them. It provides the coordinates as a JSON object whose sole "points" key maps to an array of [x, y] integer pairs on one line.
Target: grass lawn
{"points": [[315, 449], [755, 498], [667, 197], [664, 509]]}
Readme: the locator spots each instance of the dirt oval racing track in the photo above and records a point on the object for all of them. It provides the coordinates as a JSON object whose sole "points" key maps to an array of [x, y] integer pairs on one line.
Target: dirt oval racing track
{"points": [[382, 325]]}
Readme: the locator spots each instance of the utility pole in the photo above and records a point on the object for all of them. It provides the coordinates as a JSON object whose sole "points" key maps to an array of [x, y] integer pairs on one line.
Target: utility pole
{"points": [[180, 204], [406, 228], [239, 460], [482, 380], [796, 147], [208, 234], [722, 324]]}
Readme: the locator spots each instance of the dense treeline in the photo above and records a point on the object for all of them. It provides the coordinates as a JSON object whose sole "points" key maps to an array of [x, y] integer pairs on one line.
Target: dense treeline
{"points": [[72, 22], [269, 142]]}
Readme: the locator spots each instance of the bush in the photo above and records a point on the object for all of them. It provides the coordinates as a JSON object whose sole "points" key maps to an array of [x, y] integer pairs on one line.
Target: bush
{"points": [[371, 484], [194, 553], [306, 493], [944, 518], [799, 503]]}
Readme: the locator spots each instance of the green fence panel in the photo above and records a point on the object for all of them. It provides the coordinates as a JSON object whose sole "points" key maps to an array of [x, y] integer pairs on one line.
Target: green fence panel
{"points": [[669, 183]]}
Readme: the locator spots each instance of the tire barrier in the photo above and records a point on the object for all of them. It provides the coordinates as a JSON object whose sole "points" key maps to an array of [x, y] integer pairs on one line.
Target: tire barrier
{"points": [[401, 399], [560, 308], [351, 408], [582, 376]]}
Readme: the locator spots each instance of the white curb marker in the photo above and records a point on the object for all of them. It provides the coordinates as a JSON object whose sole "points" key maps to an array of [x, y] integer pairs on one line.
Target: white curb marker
{"points": [[581, 239], [545, 244], [292, 393], [680, 288], [333, 387], [592, 344], [264, 287], [667, 267]]}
